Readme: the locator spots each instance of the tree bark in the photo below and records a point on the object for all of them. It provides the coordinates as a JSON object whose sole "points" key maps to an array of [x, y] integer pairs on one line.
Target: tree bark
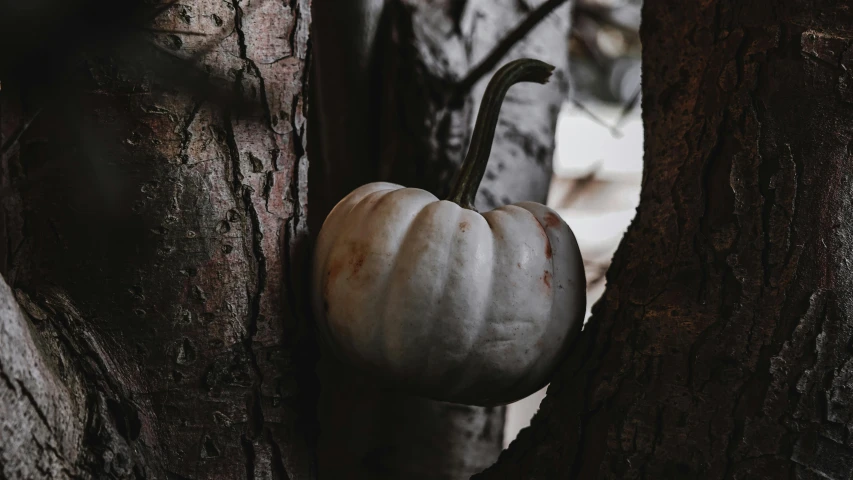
{"points": [[43, 412], [155, 237], [721, 348], [412, 133]]}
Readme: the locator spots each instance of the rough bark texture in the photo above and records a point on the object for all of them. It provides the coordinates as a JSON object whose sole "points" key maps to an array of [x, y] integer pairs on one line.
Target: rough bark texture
{"points": [[421, 49], [43, 406], [722, 347], [155, 238]]}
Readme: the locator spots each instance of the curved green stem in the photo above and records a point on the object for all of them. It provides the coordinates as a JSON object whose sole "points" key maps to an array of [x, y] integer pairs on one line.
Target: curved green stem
{"points": [[474, 166]]}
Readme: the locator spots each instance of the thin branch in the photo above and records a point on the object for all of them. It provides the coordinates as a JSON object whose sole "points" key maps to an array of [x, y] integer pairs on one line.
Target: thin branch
{"points": [[491, 60], [629, 107], [17, 134], [613, 130]]}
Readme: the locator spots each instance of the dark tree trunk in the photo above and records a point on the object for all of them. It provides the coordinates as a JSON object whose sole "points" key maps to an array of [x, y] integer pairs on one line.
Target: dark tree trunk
{"points": [[154, 237], [722, 347], [409, 132]]}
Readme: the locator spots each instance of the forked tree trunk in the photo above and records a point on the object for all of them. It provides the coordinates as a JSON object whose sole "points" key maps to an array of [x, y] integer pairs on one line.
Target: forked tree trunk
{"points": [[154, 238], [389, 98], [722, 347], [153, 262]]}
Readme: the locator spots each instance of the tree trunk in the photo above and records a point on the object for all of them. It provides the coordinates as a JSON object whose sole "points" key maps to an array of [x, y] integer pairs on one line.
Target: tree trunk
{"points": [[415, 135], [722, 347], [159, 258]]}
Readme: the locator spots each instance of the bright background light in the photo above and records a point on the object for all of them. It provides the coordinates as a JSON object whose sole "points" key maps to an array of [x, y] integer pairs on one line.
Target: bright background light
{"points": [[596, 189]]}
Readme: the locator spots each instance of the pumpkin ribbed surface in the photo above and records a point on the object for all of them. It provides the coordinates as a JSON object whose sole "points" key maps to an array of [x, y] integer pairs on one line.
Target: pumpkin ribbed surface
{"points": [[444, 301]]}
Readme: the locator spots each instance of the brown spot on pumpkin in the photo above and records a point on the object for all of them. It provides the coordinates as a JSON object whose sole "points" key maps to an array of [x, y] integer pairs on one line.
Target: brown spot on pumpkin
{"points": [[357, 263], [331, 275], [552, 220], [464, 226], [546, 279], [548, 252], [519, 265]]}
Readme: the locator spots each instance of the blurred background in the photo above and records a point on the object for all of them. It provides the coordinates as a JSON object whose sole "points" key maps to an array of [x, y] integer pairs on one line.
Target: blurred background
{"points": [[598, 161]]}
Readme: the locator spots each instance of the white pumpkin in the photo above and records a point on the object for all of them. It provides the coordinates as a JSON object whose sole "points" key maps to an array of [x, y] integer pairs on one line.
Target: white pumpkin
{"points": [[443, 301]]}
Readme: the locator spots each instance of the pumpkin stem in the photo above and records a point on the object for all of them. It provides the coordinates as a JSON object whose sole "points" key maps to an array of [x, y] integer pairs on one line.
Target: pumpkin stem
{"points": [[474, 166]]}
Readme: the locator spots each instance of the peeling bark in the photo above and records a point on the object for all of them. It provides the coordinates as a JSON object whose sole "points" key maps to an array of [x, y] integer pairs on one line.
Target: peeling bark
{"points": [[721, 348], [165, 249]]}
